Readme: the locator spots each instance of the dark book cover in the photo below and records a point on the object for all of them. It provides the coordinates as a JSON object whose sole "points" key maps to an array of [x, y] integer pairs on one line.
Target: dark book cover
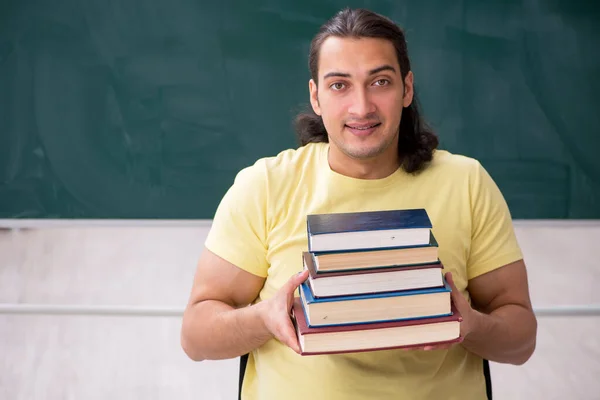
{"points": [[318, 224]]}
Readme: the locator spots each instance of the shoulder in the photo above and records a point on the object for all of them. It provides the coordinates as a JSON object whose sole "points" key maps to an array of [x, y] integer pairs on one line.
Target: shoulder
{"points": [[291, 159], [281, 165], [459, 173], [456, 168], [445, 161], [469, 176]]}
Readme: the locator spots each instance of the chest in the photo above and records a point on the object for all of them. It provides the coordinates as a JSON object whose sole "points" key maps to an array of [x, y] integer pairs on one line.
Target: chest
{"points": [[446, 206]]}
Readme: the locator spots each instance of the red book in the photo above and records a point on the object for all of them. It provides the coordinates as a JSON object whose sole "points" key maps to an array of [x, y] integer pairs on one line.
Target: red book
{"points": [[375, 336]]}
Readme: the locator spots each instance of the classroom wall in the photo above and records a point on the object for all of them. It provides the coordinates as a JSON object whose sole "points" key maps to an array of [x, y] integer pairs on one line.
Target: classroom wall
{"points": [[147, 109], [123, 123]]}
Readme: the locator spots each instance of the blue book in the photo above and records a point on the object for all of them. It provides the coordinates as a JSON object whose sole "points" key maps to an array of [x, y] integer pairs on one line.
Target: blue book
{"points": [[368, 230], [375, 308]]}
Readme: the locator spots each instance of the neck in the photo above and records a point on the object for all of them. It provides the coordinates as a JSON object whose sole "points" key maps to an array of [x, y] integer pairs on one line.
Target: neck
{"points": [[377, 167]]}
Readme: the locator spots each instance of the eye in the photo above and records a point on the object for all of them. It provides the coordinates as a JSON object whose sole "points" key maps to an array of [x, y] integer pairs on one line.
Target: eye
{"points": [[337, 86], [382, 82]]}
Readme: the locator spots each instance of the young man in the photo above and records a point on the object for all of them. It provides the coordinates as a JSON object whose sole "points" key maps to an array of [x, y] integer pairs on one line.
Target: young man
{"points": [[364, 148]]}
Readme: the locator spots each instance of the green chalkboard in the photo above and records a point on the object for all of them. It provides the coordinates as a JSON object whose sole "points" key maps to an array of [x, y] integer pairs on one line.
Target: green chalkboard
{"points": [[147, 109]]}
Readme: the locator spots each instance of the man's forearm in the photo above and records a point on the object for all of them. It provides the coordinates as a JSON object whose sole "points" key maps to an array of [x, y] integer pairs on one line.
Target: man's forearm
{"points": [[506, 335], [213, 330]]}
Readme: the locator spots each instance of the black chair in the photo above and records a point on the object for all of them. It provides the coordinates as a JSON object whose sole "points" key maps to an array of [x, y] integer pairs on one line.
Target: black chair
{"points": [[243, 363], [488, 378], [486, 373]]}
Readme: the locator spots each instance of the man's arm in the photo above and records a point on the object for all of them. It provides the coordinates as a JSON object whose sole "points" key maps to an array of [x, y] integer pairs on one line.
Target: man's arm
{"points": [[219, 324], [501, 326]]}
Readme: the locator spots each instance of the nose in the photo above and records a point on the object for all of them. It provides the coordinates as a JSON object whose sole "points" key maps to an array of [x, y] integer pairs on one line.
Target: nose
{"points": [[362, 106]]}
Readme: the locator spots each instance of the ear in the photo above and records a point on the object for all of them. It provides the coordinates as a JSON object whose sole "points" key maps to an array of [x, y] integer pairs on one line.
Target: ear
{"points": [[314, 99], [408, 89]]}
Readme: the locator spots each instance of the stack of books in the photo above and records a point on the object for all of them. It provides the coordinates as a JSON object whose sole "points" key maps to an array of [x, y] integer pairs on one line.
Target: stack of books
{"points": [[375, 282]]}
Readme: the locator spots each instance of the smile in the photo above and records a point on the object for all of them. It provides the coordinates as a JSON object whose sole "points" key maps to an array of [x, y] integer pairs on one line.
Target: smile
{"points": [[363, 130], [363, 127]]}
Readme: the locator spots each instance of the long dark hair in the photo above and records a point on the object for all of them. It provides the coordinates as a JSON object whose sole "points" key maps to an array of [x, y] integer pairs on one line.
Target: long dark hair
{"points": [[417, 141]]}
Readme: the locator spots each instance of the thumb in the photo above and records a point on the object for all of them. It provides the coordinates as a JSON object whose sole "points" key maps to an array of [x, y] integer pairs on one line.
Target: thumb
{"points": [[296, 280], [457, 297]]}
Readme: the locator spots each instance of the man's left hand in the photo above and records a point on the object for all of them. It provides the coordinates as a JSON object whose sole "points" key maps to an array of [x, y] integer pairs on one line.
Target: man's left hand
{"points": [[469, 315]]}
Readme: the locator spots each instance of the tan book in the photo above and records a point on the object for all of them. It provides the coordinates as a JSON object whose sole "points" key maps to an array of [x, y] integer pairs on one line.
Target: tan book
{"points": [[372, 280], [376, 258], [377, 307]]}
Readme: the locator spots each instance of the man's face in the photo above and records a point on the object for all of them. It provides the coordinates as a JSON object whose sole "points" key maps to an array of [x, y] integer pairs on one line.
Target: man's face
{"points": [[360, 95]]}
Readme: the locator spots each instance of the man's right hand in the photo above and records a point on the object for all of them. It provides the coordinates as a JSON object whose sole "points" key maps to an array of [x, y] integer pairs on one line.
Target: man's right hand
{"points": [[275, 312]]}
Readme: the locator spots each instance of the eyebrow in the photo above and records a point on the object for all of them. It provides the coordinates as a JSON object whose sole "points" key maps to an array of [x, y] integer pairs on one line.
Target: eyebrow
{"points": [[371, 72], [382, 68]]}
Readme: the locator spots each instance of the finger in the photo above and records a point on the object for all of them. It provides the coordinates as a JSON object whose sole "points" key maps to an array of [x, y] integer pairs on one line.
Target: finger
{"points": [[436, 347], [425, 348], [456, 295], [296, 281], [287, 335], [450, 280], [413, 348]]}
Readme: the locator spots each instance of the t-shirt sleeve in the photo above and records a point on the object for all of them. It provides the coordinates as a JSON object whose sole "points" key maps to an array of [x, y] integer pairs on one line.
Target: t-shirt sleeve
{"points": [[238, 232], [493, 240]]}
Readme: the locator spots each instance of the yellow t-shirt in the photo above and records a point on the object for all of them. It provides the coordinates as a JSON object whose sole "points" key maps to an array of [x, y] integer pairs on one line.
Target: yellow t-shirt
{"points": [[260, 226]]}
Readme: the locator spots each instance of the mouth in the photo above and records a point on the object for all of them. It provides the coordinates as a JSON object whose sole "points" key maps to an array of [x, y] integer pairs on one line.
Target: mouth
{"points": [[362, 129]]}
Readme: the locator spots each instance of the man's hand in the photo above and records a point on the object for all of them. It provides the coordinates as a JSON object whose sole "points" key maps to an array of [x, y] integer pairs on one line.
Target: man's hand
{"points": [[469, 315], [275, 312]]}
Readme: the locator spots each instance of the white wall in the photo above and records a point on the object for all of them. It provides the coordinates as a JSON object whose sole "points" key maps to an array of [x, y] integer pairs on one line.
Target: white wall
{"points": [[125, 357]]}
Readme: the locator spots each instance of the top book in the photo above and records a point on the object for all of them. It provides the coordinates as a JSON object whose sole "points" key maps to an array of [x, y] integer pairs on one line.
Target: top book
{"points": [[368, 230]]}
